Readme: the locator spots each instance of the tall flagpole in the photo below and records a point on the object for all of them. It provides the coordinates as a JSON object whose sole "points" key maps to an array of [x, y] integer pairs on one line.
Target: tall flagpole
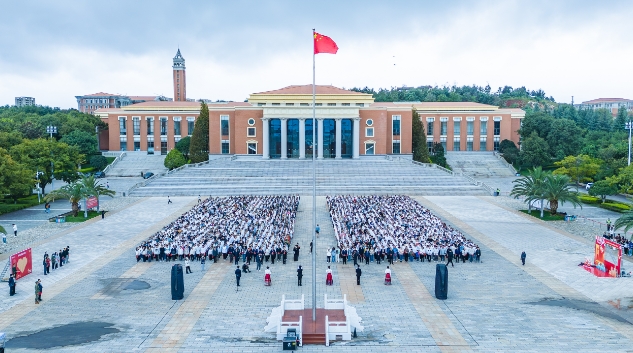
{"points": [[314, 126]]}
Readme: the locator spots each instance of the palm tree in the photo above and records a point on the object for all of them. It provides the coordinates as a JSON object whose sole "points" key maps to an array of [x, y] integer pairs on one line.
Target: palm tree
{"points": [[80, 189], [626, 221], [2, 230], [556, 190], [530, 187]]}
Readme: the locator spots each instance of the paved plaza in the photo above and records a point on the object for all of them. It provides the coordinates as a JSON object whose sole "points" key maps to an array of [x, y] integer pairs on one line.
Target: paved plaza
{"points": [[104, 301]]}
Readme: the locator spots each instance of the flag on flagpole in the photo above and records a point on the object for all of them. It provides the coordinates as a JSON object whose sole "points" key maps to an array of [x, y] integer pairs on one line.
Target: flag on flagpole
{"points": [[324, 44]]}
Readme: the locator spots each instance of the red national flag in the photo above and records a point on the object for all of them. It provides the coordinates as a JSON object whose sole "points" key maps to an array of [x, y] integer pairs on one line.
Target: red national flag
{"points": [[324, 44]]}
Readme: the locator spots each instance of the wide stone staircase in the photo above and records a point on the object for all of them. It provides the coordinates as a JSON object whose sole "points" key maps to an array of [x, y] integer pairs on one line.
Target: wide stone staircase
{"points": [[133, 163], [244, 176], [478, 164]]}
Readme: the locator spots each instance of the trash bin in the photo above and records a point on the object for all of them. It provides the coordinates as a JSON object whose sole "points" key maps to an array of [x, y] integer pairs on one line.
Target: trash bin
{"points": [[60, 219], [177, 283], [441, 281], [290, 341]]}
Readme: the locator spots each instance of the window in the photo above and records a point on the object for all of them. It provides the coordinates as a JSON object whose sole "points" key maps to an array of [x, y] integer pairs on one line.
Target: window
{"points": [[290, 104], [369, 132], [443, 142], [224, 121], [469, 143], [304, 104], [470, 127], [190, 125], [496, 143], [345, 104], [497, 127], [137, 145], [251, 121], [369, 122], [456, 144], [318, 104], [150, 143], [395, 125], [122, 129], [251, 148], [275, 104], [429, 128], [150, 125], [331, 104], [443, 125], [163, 125], [482, 143], [395, 147], [163, 147], [177, 127], [261, 104], [483, 129], [250, 131], [136, 124], [123, 143], [225, 146], [456, 128], [360, 104], [369, 148], [429, 145]]}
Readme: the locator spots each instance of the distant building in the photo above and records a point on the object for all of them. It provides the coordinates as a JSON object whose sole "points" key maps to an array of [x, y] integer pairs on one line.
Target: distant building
{"points": [[612, 104], [24, 101], [180, 78], [91, 102]]}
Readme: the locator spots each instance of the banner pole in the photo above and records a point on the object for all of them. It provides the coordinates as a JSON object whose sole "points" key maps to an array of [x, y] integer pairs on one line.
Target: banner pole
{"points": [[314, 126]]}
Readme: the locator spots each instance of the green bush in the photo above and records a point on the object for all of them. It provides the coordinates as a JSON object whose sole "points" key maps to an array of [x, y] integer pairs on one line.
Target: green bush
{"points": [[589, 199], [617, 207], [86, 170], [174, 159], [98, 162]]}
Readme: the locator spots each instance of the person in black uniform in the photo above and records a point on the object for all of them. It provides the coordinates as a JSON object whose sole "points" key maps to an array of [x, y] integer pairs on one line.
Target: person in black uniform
{"points": [[238, 274], [299, 274], [358, 274], [296, 251], [449, 257]]}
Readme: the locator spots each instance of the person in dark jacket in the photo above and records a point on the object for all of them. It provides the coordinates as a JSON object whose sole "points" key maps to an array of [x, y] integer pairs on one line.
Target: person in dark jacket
{"points": [[299, 274], [238, 274], [11, 285], [449, 257], [523, 256], [358, 274]]}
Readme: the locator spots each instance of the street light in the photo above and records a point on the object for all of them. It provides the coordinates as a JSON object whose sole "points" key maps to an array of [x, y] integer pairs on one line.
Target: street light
{"points": [[51, 129], [37, 186], [629, 126]]}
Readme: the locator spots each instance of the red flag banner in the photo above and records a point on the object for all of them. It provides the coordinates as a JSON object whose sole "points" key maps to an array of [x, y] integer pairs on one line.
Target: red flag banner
{"points": [[324, 44]]}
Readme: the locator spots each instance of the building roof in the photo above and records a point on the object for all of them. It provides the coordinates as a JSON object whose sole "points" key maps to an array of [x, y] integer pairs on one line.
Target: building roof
{"points": [[603, 100], [435, 106], [307, 89], [143, 98], [100, 94]]}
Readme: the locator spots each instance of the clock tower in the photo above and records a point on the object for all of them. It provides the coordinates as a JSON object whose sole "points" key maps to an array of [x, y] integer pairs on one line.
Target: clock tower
{"points": [[180, 80]]}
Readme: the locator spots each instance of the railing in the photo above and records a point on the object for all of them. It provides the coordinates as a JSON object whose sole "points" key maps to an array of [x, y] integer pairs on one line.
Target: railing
{"points": [[327, 328], [508, 165], [335, 304], [111, 154], [334, 328], [114, 162]]}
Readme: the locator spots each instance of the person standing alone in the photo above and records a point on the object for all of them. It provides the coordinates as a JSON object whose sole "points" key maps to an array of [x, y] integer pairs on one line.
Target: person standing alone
{"points": [[358, 274], [187, 266], [299, 274], [11, 286], [449, 257], [15, 230], [523, 256], [238, 274]]}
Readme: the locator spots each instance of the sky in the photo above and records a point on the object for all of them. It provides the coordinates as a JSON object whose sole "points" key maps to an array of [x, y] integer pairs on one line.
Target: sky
{"points": [[56, 50]]}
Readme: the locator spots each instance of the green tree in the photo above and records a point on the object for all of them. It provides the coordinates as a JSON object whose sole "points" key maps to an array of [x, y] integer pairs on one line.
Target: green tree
{"points": [[530, 187], [418, 140], [183, 146], [199, 148], [557, 191], [625, 221], [46, 156], [534, 151], [509, 151], [621, 119], [78, 190], [438, 155], [603, 189], [624, 179], [16, 179], [95, 188], [564, 138], [98, 162], [2, 230], [9, 139], [579, 168], [84, 141], [174, 159]]}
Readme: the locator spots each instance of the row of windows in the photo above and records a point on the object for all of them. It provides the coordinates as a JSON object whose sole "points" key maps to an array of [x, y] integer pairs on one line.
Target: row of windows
{"points": [[136, 126], [315, 104], [470, 128], [457, 145]]}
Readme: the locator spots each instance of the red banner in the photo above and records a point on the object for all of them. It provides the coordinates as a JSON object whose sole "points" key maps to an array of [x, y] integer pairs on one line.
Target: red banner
{"points": [[92, 202], [22, 263], [608, 256]]}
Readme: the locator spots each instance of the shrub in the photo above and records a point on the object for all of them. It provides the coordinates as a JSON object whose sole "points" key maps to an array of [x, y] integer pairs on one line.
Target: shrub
{"points": [[588, 199], [617, 207], [174, 159], [98, 162]]}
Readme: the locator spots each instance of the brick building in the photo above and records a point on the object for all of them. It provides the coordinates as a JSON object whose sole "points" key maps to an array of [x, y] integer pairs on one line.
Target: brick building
{"points": [[348, 124]]}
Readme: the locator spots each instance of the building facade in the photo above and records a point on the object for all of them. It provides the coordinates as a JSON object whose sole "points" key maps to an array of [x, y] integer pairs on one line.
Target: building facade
{"points": [[24, 101], [92, 102], [611, 104], [279, 124]]}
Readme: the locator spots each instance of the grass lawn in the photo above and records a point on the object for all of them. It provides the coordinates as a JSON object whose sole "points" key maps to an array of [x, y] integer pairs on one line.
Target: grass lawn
{"points": [[546, 215], [110, 159], [80, 216]]}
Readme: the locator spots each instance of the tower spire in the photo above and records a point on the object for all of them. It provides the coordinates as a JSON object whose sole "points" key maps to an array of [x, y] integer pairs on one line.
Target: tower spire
{"points": [[180, 79]]}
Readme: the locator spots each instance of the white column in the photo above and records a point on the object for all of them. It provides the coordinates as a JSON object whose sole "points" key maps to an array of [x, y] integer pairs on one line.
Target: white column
{"points": [[284, 138], [302, 138], [265, 149], [338, 138], [320, 138], [356, 138]]}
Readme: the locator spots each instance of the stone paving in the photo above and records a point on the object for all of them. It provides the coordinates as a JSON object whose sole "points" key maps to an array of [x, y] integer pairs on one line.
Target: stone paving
{"points": [[494, 306]]}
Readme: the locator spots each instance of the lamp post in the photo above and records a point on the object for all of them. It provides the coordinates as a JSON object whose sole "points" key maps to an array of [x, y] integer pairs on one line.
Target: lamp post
{"points": [[37, 186], [629, 126], [51, 129]]}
